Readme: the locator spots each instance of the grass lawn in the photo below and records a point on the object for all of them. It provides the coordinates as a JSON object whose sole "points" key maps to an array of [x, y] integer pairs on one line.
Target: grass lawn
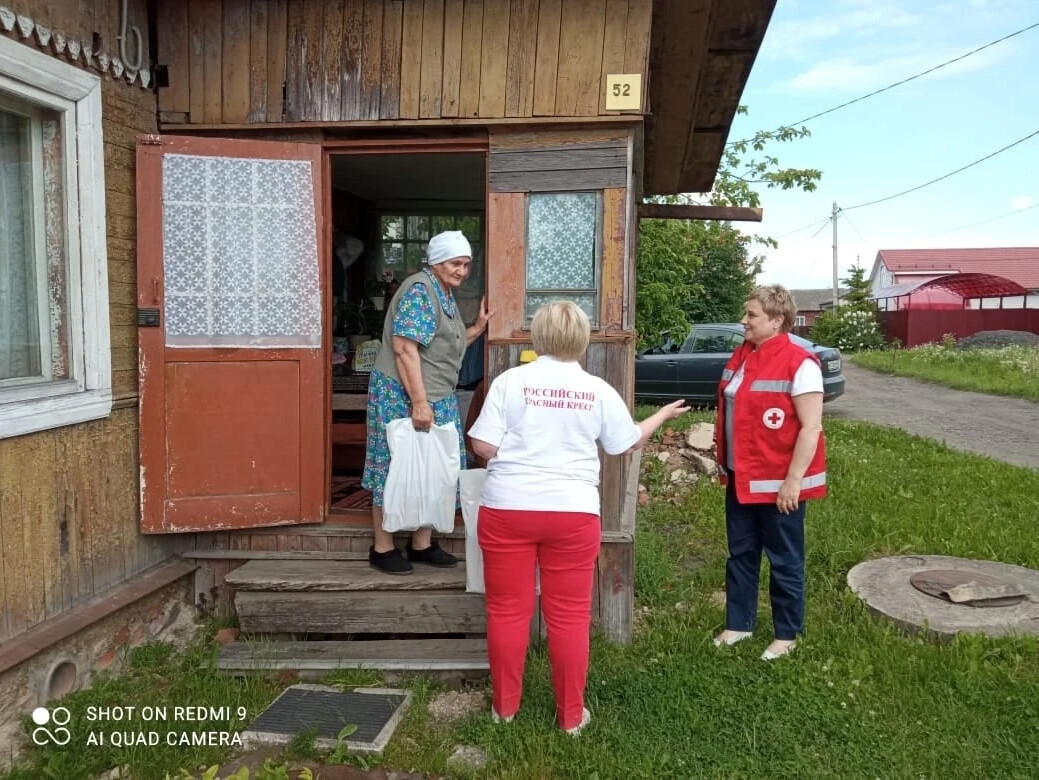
{"points": [[857, 699], [1012, 371]]}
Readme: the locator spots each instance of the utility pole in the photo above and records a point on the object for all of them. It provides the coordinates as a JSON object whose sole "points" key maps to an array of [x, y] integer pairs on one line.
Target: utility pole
{"points": [[833, 219]]}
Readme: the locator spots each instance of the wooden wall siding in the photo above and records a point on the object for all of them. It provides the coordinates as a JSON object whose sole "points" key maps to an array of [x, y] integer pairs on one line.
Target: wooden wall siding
{"points": [[345, 60], [68, 496], [79, 20], [68, 519], [557, 160]]}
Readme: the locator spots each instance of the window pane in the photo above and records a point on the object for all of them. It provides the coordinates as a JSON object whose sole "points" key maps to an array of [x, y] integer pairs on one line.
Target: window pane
{"points": [[585, 301], [414, 255], [471, 229], [440, 224], [561, 241], [418, 229], [240, 252], [20, 349], [392, 228], [393, 260]]}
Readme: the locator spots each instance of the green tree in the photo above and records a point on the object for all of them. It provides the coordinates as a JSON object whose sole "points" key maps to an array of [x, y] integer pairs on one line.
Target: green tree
{"points": [[854, 326], [692, 271]]}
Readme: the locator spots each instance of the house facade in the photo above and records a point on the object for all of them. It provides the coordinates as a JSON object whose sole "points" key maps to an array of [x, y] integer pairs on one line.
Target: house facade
{"points": [[207, 204]]}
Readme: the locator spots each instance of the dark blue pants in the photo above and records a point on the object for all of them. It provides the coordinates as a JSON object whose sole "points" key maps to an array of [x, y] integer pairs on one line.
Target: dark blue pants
{"points": [[751, 528]]}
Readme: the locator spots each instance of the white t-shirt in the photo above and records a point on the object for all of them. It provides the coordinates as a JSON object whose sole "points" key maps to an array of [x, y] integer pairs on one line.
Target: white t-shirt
{"points": [[545, 418], [808, 379]]}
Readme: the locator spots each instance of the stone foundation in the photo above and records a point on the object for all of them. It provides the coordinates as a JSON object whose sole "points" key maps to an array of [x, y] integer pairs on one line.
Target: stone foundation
{"points": [[165, 615]]}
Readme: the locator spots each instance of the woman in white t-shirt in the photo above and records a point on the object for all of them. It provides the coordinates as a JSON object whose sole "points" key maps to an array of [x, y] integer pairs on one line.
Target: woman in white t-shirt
{"points": [[539, 429], [771, 458]]}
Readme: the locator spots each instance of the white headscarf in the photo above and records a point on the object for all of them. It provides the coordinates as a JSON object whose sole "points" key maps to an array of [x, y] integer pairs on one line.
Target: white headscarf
{"points": [[447, 246]]}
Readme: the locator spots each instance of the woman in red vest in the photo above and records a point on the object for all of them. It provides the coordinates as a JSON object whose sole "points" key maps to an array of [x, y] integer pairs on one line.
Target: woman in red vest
{"points": [[771, 458]]}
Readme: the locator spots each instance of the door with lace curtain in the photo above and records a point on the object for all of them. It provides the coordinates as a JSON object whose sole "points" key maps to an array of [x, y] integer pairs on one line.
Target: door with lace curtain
{"points": [[231, 310]]}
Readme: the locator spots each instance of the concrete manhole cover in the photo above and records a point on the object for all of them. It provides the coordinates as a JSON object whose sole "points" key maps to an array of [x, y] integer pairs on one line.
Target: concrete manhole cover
{"points": [[947, 596]]}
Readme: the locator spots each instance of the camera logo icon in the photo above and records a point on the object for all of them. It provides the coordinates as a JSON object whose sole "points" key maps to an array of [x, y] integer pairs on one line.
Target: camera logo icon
{"points": [[58, 718]]}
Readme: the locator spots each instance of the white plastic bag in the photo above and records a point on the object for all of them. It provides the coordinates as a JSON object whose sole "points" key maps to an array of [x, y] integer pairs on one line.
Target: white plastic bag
{"points": [[470, 488], [423, 480]]}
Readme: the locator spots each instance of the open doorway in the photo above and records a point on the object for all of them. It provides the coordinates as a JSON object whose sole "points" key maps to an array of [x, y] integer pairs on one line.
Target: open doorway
{"points": [[384, 209]]}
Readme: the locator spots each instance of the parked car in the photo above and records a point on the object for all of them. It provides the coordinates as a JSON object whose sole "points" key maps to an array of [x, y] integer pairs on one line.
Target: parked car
{"points": [[691, 369]]}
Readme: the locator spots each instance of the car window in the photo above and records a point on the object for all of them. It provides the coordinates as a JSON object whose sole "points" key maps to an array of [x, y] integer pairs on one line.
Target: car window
{"points": [[709, 342], [735, 341]]}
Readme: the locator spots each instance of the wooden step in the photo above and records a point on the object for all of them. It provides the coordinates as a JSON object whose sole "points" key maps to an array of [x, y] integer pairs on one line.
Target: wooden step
{"points": [[361, 611], [387, 655], [334, 529], [326, 575]]}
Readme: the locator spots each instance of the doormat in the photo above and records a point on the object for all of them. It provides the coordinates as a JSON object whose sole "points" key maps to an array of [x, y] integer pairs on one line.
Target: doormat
{"points": [[347, 493], [363, 719]]}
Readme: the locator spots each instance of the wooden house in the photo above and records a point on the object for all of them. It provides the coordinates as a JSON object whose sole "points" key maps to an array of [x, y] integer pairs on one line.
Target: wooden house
{"points": [[223, 193]]}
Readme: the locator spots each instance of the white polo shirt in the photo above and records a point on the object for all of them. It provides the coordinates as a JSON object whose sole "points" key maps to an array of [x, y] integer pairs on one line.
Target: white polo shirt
{"points": [[545, 418]]}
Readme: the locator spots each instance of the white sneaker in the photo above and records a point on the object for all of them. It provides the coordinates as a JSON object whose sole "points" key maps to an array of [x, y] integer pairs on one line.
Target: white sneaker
{"points": [[785, 649], [728, 638], [586, 718], [499, 719]]}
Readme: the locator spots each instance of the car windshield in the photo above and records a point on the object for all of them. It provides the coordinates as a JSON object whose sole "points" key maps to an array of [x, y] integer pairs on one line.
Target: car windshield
{"points": [[801, 342]]}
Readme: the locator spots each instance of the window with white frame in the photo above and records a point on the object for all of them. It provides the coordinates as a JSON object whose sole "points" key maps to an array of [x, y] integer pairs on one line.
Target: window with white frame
{"points": [[55, 365], [800, 321]]}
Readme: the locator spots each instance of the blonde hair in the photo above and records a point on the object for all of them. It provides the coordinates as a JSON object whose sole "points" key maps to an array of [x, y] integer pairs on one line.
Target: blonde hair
{"points": [[776, 301], [560, 329]]}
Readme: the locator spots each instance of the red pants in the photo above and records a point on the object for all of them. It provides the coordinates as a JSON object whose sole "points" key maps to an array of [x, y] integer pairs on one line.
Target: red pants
{"points": [[565, 546]]}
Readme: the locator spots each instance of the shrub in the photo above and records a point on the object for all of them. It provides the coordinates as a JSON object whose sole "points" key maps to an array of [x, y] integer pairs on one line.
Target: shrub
{"points": [[850, 328]]}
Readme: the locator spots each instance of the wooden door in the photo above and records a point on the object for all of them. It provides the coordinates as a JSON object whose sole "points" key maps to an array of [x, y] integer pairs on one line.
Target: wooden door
{"points": [[230, 282]]}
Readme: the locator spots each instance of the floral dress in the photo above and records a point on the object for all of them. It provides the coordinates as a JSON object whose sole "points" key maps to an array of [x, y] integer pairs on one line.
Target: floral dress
{"points": [[415, 319]]}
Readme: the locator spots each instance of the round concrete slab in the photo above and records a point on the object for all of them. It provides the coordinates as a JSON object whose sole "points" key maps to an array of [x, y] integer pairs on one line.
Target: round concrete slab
{"points": [[884, 584]]}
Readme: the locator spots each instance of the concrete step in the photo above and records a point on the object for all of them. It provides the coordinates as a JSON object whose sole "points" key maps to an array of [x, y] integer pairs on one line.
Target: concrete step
{"points": [[331, 575], [433, 655]]}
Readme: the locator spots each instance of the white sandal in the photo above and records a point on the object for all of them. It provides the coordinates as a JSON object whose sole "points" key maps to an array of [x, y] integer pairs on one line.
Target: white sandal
{"points": [[733, 637], [770, 655]]}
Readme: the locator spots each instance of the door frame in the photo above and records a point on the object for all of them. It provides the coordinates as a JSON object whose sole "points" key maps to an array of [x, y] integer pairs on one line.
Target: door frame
{"points": [[468, 143]]}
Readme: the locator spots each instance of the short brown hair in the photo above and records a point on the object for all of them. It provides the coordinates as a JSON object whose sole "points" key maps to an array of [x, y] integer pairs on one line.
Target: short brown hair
{"points": [[776, 301], [560, 329]]}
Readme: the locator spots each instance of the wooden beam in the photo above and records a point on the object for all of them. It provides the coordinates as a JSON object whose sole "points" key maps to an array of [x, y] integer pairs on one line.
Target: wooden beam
{"points": [[690, 211]]}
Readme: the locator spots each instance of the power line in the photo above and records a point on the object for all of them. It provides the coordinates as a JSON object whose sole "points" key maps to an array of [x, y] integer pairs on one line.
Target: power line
{"points": [[945, 176], [984, 221], [804, 227], [848, 220], [905, 80]]}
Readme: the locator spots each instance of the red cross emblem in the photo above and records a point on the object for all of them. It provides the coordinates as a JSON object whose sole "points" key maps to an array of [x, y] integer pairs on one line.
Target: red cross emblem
{"points": [[774, 417]]}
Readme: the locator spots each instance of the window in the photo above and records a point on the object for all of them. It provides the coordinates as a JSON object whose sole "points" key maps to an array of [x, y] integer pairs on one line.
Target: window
{"points": [[564, 248], [55, 367], [800, 321], [404, 238], [712, 342]]}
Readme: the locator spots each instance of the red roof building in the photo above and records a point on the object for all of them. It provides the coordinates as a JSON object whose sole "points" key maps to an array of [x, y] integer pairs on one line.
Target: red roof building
{"points": [[898, 266]]}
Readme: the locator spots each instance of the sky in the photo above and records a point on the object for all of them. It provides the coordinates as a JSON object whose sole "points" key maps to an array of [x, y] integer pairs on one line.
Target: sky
{"points": [[820, 53]]}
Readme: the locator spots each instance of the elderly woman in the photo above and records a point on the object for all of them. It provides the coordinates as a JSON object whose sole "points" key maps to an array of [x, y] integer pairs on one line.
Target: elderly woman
{"points": [[539, 429], [771, 457], [415, 373]]}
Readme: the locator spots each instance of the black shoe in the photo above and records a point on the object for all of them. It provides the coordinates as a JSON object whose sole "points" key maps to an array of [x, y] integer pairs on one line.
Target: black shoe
{"points": [[434, 555], [391, 562]]}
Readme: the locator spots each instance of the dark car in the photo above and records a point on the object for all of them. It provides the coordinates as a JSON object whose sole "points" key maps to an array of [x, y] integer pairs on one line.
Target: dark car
{"points": [[692, 369]]}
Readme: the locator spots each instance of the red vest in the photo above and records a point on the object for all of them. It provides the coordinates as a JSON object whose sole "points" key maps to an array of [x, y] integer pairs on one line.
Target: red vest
{"points": [[765, 424]]}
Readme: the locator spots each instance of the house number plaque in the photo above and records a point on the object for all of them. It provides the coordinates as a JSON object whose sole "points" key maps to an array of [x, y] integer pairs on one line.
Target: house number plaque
{"points": [[623, 91]]}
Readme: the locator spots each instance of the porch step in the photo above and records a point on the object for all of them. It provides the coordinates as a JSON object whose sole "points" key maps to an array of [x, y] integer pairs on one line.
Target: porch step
{"points": [[386, 655], [361, 612], [350, 597], [325, 575]]}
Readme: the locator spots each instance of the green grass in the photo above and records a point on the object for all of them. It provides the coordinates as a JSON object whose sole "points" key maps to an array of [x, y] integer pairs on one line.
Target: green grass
{"points": [[1010, 371], [857, 699]]}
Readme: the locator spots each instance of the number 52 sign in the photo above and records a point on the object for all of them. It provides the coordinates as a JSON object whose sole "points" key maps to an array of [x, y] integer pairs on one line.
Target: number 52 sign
{"points": [[623, 91]]}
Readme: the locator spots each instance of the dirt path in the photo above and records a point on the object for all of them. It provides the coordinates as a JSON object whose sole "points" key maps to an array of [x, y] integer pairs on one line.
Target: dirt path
{"points": [[1003, 428]]}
